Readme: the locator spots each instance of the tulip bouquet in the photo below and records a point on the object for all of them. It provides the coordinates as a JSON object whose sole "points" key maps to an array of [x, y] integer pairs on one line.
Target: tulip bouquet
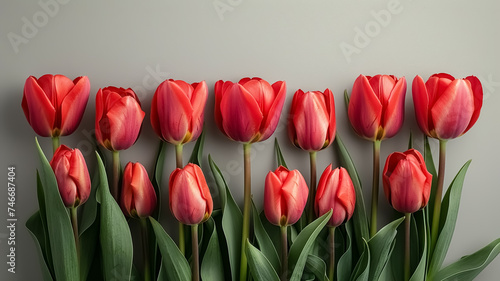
{"points": [[106, 225]]}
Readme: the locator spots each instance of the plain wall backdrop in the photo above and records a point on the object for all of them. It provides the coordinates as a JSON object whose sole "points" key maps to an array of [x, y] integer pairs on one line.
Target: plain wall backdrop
{"points": [[312, 45]]}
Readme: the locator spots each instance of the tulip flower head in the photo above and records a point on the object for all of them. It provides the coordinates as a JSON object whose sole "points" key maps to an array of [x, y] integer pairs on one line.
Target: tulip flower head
{"points": [[177, 110], [376, 106], [336, 193], [72, 176], [54, 104], [446, 107], [118, 118], [285, 196], [190, 199], [312, 120], [137, 197], [248, 111], [407, 183]]}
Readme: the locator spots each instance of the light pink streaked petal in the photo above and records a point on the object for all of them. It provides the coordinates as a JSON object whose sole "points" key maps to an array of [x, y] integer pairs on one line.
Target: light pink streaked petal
{"points": [[365, 109], [272, 198], [198, 102], [395, 109], [272, 117], [311, 121], [125, 120], [73, 105]]}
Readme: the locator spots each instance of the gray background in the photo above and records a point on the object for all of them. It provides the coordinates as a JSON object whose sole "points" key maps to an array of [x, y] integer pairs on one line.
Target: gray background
{"points": [[139, 44]]}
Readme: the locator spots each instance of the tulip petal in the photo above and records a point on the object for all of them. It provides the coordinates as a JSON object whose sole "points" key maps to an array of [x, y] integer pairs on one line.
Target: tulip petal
{"points": [[38, 108], [382, 86], [144, 196], [477, 91], [294, 192], [218, 91], [73, 105], [272, 198], [421, 104], [262, 92], [272, 117], [186, 202], [198, 102], [311, 121], [125, 120], [330, 107], [394, 111], [365, 109]]}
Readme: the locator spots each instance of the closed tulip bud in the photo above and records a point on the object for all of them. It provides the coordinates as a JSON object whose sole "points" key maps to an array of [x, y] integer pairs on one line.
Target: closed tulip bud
{"points": [[118, 118], [312, 120], [54, 105], [138, 197], [336, 193], [446, 107], [407, 183], [190, 199], [248, 111], [285, 196], [177, 110], [376, 106], [72, 176]]}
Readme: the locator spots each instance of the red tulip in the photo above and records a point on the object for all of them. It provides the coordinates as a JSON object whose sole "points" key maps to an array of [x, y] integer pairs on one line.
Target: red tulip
{"points": [[54, 105], [312, 124], [177, 110], [190, 199], [72, 176], [138, 197], [336, 193], [285, 196], [377, 106], [118, 118], [407, 183], [248, 111], [446, 107]]}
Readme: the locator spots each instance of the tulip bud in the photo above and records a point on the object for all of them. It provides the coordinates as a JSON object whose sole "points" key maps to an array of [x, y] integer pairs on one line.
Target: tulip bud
{"points": [[445, 107], [72, 176], [138, 197], [285, 196], [336, 193], [248, 111], [407, 183], [54, 105], [376, 106], [177, 110], [190, 199], [312, 120], [118, 118]]}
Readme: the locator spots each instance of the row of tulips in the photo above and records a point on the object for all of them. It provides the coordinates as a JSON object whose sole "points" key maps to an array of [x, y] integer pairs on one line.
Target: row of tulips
{"points": [[247, 112]]}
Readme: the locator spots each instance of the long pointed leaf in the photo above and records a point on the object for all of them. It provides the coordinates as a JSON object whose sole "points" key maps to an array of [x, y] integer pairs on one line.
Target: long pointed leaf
{"points": [[265, 243], [260, 267], [362, 269], [197, 154], [344, 266], [35, 227], [317, 267], [280, 160], [212, 267]]}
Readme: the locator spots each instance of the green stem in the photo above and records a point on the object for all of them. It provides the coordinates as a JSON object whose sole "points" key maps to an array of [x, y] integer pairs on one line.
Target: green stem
{"points": [[115, 188], [331, 244], [312, 187], [375, 184], [284, 253], [438, 196], [55, 143], [407, 246], [245, 233], [195, 267], [145, 249], [74, 223], [179, 164]]}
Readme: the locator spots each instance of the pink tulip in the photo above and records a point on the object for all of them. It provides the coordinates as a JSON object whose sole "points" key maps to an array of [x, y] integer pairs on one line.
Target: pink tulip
{"points": [[312, 120], [336, 193], [285, 196], [248, 111], [72, 176], [446, 107], [407, 183], [190, 199], [177, 110], [138, 197], [54, 105], [118, 118], [376, 106]]}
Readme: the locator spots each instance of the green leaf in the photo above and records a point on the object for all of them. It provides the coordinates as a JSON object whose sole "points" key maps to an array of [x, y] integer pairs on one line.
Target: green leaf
{"points": [[260, 267], [317, 267], [115, 237], [449, 214], [300, 249], [410, 141], [35, 227], [158, 176], [468, 267], [381, 246], [431, 168], [45, 243], [197, 154], [279, 156], [212, 267], [422, 229], [346, 99], [359, 218], [175, 264], [265, 243], [344, 265], [362, 269], [231, 220], [59, 227]]}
